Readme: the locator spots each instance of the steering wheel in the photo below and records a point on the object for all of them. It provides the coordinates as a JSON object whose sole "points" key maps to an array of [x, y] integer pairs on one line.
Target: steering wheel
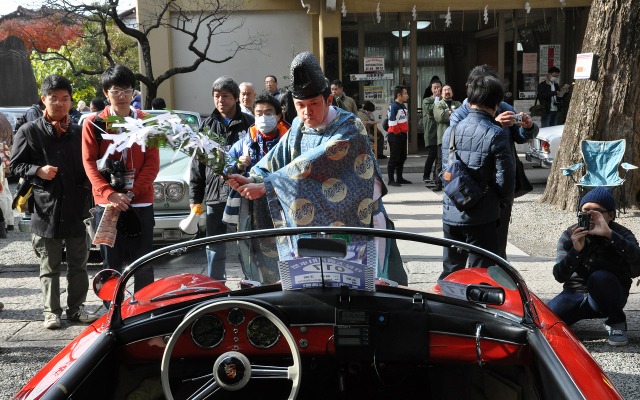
{"points": [[234, 361]]}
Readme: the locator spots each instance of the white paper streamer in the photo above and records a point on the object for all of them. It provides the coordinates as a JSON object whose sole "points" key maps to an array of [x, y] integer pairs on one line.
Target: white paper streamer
{"points": [[167, 127]]}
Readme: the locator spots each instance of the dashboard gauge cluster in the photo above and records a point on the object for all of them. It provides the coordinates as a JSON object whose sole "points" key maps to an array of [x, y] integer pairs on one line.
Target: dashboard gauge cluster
{"points": [[262, 333], [209, 330]]}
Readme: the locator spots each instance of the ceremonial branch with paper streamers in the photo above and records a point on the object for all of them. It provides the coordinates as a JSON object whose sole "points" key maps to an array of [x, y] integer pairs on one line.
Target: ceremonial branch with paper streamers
{"points": [[166, 130]]}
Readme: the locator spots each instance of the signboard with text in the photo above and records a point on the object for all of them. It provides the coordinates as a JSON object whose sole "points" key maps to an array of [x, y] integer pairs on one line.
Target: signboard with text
{"points": [[372, 76], [584, 66], [373, 93], [373, 64]]}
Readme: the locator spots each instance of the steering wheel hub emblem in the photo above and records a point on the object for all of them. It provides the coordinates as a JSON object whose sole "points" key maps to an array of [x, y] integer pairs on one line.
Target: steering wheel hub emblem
{"points": [[232, 370]]}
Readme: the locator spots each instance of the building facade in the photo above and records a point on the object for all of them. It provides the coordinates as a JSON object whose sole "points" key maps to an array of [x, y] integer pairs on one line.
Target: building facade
{"points": [[393, 41]]}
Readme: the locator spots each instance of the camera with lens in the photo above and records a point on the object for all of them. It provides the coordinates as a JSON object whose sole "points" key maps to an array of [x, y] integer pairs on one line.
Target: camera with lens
{"points": [[113, 172], [584, 220], [518, 119]]}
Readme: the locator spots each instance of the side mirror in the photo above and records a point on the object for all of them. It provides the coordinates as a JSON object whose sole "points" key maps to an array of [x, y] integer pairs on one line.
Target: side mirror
{"points": [[104, 284], [485, 294]]}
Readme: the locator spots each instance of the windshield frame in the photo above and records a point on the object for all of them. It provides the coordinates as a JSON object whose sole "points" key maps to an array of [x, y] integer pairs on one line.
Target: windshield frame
{"points": [[115, 317]]}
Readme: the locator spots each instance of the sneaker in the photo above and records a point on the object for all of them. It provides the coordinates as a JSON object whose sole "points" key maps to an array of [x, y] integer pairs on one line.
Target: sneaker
{"points": [[404, 181], [51, 321], [393, 183], [437, 189], [82, 316], [381, 157], [617, 334]]}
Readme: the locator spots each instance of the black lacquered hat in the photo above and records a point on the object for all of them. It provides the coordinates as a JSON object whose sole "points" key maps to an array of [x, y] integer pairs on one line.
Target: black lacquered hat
{"points": [[307, 78]]}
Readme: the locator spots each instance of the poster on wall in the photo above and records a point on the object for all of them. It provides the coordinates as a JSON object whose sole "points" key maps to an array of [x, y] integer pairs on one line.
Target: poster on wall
{"points": [[549, 57], [373, 93], [529, 63], [374, 64]]}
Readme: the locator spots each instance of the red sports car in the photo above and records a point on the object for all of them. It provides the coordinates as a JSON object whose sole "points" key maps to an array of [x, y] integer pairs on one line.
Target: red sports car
{"points": [[330, 325]]}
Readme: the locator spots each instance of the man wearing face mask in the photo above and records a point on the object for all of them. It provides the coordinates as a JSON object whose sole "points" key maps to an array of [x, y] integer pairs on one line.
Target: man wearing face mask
{"points": [[247, 214], [550, 96], [322, 172]]}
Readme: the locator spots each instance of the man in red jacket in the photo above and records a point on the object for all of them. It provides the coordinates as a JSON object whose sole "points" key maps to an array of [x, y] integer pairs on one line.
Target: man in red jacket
{"points": [[131, 174]]}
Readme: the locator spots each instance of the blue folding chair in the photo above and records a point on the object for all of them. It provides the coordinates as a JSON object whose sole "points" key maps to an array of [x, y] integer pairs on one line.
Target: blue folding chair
{"points": [[601, 160]]}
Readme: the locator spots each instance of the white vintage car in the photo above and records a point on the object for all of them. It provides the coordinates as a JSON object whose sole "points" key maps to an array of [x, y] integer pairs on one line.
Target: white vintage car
{"points": [[543, 148]]}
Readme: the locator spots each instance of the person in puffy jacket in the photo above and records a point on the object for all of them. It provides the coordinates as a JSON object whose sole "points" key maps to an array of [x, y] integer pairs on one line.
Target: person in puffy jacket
{"points": [[485, 148], [517, 132]]}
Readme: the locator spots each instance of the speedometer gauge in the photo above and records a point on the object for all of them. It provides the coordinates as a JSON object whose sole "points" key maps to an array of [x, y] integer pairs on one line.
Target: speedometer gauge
{"points": [[207, 331], [262, 333]]}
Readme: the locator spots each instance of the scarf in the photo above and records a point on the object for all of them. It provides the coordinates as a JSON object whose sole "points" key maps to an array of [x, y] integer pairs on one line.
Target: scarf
{"points": [[60, 126]]}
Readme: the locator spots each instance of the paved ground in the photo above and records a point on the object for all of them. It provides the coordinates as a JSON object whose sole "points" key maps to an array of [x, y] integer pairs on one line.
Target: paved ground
{"points": [[25, 346]]}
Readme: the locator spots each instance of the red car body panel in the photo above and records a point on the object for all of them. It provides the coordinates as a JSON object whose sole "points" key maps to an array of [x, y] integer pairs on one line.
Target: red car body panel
{"points": [[50, 373]]}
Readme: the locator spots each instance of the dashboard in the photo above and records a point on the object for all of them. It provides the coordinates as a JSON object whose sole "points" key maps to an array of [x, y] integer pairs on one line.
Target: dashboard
{"points": [[382, 327]]}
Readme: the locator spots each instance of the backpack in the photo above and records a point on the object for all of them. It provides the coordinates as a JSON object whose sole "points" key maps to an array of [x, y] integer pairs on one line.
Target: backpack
{"points": [[21, 120], [385, 124]]}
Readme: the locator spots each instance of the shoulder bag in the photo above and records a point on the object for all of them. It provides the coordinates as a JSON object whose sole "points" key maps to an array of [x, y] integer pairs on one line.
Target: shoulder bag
{"points": [[536, 110], [463, 191]]}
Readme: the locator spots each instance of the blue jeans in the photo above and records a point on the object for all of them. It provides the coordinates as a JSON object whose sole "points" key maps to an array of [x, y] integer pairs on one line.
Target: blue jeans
{"points": [[605, 298], [550, 119], [216, 253]]}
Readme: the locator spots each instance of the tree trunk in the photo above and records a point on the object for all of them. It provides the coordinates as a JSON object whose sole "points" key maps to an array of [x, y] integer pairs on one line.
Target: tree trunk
{"points": [[608, 108], [152, 93]]}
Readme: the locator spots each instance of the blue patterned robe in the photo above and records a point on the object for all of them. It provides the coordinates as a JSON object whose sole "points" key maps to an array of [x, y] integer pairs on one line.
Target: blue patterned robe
{"points": [[323, 178]]}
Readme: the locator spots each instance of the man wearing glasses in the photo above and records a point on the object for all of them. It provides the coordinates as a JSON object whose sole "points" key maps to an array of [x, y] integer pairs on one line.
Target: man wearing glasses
{"points": [[597, 258], [131, 191]]}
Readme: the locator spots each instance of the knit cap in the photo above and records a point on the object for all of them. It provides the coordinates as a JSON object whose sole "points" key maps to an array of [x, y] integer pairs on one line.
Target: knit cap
{"points": [[600, 195]]}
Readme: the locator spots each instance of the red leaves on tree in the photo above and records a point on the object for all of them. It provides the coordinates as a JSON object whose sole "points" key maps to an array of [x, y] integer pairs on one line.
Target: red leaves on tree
{"points": [[40, 33]]}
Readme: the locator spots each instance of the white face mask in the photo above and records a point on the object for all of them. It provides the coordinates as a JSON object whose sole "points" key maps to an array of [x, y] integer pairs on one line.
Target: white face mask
{"points": [[554, 79], [266, 123]]}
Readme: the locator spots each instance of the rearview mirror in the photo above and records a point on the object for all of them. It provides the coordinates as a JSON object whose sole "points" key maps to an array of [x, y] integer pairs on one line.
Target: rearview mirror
{"points": [[322, 247]]}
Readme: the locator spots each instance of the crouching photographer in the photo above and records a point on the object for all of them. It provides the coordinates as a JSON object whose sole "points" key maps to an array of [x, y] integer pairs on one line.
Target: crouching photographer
{"points": [[125, 180], [597, 258]]}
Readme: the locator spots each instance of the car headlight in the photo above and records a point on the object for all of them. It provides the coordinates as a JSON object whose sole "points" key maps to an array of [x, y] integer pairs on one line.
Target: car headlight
{"points": [[174, 191], [158, 192]]}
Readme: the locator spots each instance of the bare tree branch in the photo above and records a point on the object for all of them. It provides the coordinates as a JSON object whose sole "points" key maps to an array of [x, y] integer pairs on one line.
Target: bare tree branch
{"points": [[200, 27]]}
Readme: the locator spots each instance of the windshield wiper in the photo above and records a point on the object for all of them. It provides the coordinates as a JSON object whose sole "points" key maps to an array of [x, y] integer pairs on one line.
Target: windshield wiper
{"points": [[185, 291]]}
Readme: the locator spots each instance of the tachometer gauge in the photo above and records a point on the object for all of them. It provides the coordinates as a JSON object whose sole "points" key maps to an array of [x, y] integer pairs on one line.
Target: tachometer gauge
{"points": [[262, 333], [235, 316], [207, 331]]}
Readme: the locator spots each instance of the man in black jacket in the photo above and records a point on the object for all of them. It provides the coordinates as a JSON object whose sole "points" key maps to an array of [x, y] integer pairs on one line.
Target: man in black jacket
{"points": [[47, 153], [206, 186], [595, 263]]}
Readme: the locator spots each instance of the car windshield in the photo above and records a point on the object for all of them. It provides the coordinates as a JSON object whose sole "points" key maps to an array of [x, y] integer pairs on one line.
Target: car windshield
{"points": [[331, 258]]}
